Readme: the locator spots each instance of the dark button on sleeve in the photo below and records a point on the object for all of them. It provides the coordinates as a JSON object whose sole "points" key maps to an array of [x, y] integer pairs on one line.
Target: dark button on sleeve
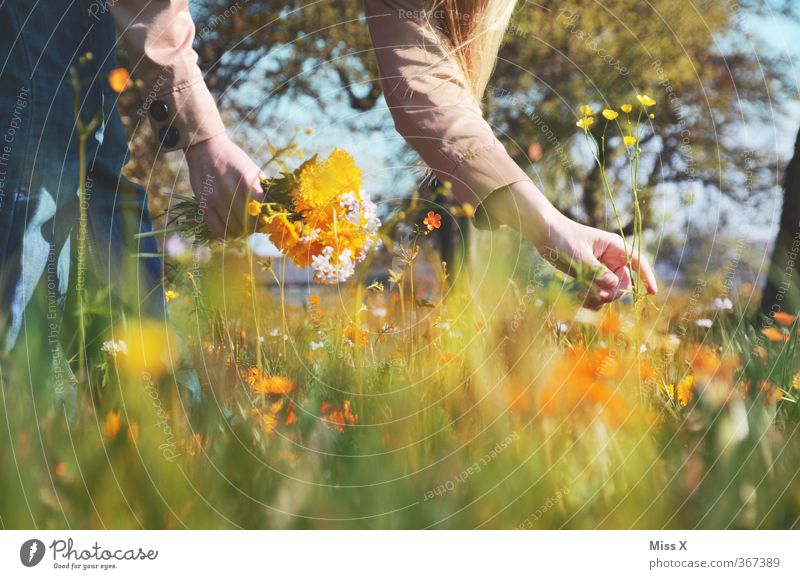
{"points": [[159, 111], [169, 136]]}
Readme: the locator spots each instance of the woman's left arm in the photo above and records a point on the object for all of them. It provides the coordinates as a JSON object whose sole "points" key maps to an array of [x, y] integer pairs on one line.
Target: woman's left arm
{"points": [[434, 110]]}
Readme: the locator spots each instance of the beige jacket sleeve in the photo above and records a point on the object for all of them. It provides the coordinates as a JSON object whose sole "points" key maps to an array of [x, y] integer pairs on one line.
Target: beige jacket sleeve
{"points": [[158, 35], [432, 107]]}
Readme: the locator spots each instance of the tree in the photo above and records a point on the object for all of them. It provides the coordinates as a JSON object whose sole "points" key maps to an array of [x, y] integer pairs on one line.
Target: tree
{"points": [[782, 288], [557, 56]]}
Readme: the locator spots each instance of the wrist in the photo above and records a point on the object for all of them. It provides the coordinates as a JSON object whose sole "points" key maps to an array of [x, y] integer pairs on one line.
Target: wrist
{"points": [[196, 149], [536, 216]]}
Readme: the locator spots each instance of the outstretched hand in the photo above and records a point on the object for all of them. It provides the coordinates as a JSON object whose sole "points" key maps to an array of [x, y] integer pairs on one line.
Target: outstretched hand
{"points": [[571, 246], [223, 178]]}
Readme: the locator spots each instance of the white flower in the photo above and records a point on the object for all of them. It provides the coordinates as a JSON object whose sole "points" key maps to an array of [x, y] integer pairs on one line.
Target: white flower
{"points": [[723, 304], [326, 271], [261, 339], [379, 312], [703, 323], [316, 346], [310, 236], [113, 348], [643, 348], [274, 332], [176, 247], [561, 328]]}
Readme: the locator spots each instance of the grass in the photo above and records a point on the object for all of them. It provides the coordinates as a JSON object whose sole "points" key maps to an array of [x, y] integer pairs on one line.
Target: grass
{"points": [[495, 403]]}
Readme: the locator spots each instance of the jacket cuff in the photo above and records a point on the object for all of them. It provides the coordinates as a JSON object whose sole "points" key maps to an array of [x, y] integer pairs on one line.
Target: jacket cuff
{"points": [[184, 116], [481, 173]]}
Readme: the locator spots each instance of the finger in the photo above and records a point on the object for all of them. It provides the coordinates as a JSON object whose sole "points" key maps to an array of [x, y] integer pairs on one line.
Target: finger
{"points": [[624, 275], [646, 273], [254, 193], [215, 225], [605, 279]]}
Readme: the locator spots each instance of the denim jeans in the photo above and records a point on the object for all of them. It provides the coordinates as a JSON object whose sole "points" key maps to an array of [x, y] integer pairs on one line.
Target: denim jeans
{"points": [[40, 40]]}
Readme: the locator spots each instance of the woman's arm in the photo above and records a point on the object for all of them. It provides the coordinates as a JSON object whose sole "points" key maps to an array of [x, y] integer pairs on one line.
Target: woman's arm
{"points": [[431, 104], [158, 36], [436, 113]]}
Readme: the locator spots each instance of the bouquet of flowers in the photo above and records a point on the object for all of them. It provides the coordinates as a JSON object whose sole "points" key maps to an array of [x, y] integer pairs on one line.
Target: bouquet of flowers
{"points": [[317, 216]]}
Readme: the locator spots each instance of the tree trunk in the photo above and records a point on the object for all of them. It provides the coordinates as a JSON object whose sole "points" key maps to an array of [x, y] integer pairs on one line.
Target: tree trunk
{"points": [[782, 289]]}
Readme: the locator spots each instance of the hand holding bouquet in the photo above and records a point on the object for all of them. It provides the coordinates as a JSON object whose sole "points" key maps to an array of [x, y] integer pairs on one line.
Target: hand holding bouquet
{"points": [[316, 215]]}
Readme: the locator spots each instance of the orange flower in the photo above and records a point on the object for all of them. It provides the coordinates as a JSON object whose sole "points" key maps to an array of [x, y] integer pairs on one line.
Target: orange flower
{"points": [[314, 300], [448, 358], [356, 335], [119, 79], [112, 424], [647, 372], [260, 383], [611, 323], [60, 470], [705, 362], [338, 417], [291, 415], [784, 319], [266, 421], [774, 334], [432, 221], [587, 381], [770, 392]]}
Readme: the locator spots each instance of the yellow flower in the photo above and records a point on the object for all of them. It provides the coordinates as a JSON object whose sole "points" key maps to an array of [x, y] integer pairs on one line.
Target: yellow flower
{"points": [[468, 209], [260, 383], [112, 424], [686, 390], [626, 108], [152, 348], [610, 114], [629, 141], [586, 110], [321, 183], [585, 123], [645, 100], [171, 295], [254, 208]]}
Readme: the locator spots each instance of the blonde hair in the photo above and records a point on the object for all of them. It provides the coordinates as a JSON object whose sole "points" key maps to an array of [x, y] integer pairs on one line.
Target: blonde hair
{"points": [[474, 29]]}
